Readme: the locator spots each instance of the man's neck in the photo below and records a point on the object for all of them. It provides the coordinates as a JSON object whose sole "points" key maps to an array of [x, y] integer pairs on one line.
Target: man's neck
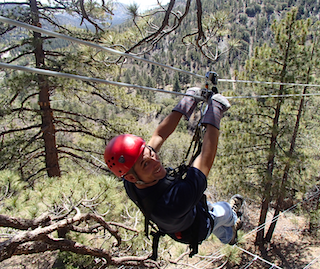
{"points": [[147, 185]]}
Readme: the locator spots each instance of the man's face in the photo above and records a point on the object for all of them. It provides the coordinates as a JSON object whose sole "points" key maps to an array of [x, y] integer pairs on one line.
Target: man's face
{"points": [[148, 166]]}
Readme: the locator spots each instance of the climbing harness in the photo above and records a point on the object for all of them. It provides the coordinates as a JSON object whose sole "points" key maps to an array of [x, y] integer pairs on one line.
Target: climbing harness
{"points": [[147, 204]]}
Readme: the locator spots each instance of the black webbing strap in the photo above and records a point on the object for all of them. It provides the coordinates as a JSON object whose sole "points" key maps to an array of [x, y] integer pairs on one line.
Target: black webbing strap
{"points": [[155, 244], [194, 244], [196, 144]]}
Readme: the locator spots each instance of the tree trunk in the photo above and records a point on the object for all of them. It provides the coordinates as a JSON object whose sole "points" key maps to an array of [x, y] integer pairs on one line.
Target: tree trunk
{"points": [[260, 239], [263, 216], [287, 168], [270, 165], [48, 128]]}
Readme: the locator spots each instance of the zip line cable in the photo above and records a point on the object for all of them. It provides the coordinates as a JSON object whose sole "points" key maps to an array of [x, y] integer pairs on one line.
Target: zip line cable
{"points": [[257, 257], [93, 45], [121, 84], [312, 262], [124, 54], [272, 96], [268, 82], [90, 79]]}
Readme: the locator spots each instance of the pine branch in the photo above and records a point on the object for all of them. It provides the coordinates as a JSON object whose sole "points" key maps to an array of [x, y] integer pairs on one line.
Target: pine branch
{"points": [[20, 129]]}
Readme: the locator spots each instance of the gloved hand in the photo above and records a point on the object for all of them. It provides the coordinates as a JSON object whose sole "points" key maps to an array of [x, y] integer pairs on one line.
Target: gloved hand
{"points": [[216, 106], [187, 104]]}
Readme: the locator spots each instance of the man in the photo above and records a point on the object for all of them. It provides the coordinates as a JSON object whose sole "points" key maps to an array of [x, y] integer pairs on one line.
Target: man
{"points": [[177, 205]]}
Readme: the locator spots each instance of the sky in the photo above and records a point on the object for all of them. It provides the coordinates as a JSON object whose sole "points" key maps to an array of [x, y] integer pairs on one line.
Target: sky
{"points": [[144, 4]]}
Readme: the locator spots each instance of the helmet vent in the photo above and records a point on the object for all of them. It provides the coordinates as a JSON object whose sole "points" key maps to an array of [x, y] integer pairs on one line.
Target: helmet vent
{"points": [[121, 159]]}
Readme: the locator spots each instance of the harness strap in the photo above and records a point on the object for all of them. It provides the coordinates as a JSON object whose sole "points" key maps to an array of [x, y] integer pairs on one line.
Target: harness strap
{"points": [[155, 244], [194, 241]]}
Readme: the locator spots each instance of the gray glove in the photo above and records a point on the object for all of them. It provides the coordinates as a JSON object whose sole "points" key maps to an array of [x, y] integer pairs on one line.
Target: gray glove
{"points": [[216, 106], [187, 104]]}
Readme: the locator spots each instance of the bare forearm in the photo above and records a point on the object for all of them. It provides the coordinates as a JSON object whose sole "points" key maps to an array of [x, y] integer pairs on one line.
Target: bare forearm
{"points": [[164, 130], [209, 149]]}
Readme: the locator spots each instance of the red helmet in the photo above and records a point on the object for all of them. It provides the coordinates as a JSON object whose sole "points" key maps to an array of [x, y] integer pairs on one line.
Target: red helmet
{"points": [[122, 152]]}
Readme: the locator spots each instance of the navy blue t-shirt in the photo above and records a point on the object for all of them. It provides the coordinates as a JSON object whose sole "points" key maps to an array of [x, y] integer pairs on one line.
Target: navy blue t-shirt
{"points": [[176, 209]]}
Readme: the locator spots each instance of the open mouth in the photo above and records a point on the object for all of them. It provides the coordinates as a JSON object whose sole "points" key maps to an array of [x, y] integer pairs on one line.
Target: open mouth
{"points": [[158, 170]]}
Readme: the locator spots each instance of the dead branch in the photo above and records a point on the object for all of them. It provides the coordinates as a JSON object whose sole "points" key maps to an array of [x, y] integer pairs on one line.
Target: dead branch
{"points": [[85, 16], [162, 31], [35, 236], [203, 34], [23, 224], [123, 226]]}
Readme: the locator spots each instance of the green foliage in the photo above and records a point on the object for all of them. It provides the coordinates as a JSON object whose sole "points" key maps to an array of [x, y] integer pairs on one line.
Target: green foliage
{"points": [[89, 193], [11, 185], [250, 11], [314, 220], [69, 260], [269, 9], [243, 19], [60, 194], [176, 84], [233, 255]]}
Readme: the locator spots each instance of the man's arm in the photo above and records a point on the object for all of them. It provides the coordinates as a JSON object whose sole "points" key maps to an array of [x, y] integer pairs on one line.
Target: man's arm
{"points": [[164, 130], [217, 105], [205, 159], [185, 107]]}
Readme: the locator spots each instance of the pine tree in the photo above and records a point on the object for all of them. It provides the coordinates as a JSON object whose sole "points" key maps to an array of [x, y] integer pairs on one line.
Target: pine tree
{"points": [[42, 131], [176, 84], [266, 159], [285, 62]]}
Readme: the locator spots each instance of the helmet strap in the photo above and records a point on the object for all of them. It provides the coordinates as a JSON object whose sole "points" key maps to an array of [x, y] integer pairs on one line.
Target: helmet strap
{"points": [[139, 181]]}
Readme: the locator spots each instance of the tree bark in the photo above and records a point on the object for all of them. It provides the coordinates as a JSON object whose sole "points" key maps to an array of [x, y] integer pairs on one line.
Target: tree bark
{"points": [[47, 119]]}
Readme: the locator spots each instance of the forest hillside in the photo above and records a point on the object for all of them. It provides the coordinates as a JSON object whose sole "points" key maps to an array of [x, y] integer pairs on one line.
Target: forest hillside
{"points": [[61, 207]]}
